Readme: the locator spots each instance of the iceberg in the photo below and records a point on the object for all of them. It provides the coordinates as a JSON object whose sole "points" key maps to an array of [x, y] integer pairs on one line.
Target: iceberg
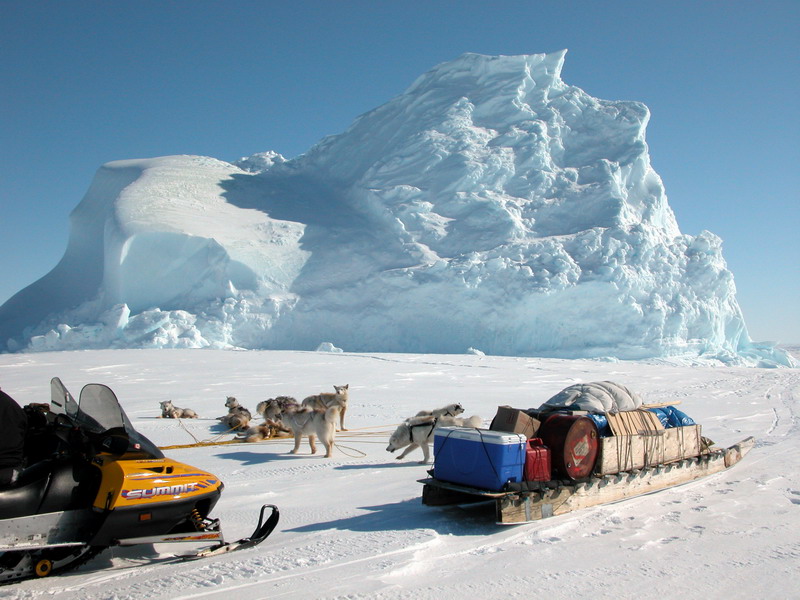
{"points": [[491, 205]]}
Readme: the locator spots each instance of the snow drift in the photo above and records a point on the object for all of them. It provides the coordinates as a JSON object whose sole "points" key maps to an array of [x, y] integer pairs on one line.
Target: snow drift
{"points": [[491, 206]]}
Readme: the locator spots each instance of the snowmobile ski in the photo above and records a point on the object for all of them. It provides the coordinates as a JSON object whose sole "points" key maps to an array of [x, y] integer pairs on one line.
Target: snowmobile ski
{"points": [[261, 532]]}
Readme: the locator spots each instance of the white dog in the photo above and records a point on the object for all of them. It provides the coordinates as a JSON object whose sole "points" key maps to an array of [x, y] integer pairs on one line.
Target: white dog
{"points": [[417, 432], [327, 399], [451, 410], [170, 411], [314, 423]]}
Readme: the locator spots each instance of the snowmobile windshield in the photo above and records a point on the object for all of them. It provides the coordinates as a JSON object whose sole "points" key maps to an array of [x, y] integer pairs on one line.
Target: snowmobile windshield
{"points": [[100, 409], [99, 412], [61, 401]]}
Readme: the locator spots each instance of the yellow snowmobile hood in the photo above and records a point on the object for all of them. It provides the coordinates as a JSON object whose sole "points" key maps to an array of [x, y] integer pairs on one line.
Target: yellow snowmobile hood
{"points": [[128, 483]]}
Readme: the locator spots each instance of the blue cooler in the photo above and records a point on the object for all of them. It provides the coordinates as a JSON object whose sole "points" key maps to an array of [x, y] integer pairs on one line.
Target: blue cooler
{"points": [[479, 458]]}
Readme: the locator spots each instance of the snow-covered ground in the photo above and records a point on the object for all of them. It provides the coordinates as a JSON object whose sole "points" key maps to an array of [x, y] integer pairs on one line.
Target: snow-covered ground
{"points": [[354, 526]]}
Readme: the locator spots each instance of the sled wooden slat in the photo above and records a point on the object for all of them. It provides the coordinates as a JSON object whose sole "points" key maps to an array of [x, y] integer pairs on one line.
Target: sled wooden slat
{"points": [[661, 404], [527, 506], [634, 422]]}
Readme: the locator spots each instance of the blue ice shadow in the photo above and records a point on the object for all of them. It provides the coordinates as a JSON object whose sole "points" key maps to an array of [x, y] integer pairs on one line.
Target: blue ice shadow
{"points": [[255, 458], [411, 514]]}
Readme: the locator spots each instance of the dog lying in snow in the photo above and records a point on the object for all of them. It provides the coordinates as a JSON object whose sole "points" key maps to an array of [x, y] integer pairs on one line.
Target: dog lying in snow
{"points": [[451, 410], [417, 432], [170, 411], [269, 429], [314, 422], [238, 416], [327, 399], [273, 425]]}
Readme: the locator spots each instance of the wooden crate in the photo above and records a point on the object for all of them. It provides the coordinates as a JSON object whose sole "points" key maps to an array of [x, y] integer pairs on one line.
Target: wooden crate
{"points": [[647, 448]]}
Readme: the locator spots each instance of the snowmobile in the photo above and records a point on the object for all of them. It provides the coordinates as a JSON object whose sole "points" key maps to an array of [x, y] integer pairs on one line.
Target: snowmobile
{"points": [[92, 481]]}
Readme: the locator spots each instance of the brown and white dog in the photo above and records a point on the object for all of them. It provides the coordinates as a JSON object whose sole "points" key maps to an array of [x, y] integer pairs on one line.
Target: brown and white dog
{"points": [[272, 408], [273, 426], [238, 416], [269, 429]]}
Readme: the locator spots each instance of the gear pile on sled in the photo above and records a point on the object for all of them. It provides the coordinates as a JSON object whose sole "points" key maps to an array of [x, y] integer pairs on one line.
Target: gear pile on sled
{"points": [[589, 444]]}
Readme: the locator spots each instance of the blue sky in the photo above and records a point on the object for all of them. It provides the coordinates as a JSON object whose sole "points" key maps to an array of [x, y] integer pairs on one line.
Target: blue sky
{"points": [[86, 82]]}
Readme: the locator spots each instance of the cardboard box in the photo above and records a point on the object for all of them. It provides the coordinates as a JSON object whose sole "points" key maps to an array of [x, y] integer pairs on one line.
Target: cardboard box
{"points": [[478, 458], [514, 420]]}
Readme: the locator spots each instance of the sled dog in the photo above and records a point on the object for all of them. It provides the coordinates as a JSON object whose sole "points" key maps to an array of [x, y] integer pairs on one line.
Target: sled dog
{"points": [[327, 399], [238, 416], [451, 410], [272, 408], [270, 428], [232, 403], [314, 423], [273, 426], [170, 411], [417, 432]]}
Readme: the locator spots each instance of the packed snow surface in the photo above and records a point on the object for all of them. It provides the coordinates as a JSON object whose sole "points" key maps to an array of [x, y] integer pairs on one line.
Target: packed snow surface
{"points": [[490, 206], [353, 526]]}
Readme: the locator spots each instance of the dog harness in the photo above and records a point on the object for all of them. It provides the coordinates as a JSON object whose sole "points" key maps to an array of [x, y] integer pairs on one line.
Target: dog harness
{"points": [[432, 425]]}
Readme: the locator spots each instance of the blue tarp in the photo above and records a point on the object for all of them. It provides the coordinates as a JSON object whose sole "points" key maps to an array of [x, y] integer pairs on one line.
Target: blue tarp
{"points": [[668, 415], [603, 428], [672, 417]]}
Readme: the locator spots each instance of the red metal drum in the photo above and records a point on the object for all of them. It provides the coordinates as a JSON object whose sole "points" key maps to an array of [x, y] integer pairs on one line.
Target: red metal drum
{"points": [[572, 440]]}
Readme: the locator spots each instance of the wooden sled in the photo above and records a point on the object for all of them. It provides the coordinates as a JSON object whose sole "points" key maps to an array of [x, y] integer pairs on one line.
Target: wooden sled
{"points": [[556, 498]]}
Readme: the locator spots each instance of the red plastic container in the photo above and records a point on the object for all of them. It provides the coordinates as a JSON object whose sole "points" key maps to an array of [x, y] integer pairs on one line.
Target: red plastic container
{"points": [[537, 461]]}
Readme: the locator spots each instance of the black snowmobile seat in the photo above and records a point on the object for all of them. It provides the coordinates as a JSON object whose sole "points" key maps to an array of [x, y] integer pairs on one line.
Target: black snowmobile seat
{"points": [[13, 426], [24, 497], [50, 485]]}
